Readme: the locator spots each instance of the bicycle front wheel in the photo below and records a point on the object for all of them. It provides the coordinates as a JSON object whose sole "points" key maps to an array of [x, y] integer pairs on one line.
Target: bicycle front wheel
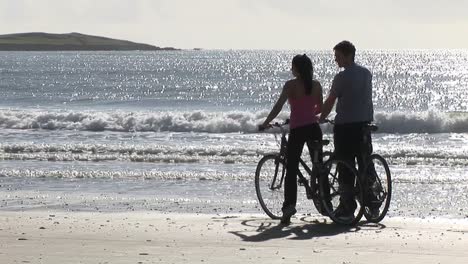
{"points": [[378, 183], [341, 192], [269, 181]]}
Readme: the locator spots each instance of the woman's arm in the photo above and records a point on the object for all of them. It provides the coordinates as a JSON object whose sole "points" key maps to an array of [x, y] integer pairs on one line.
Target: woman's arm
{"points": [[276, 108]]}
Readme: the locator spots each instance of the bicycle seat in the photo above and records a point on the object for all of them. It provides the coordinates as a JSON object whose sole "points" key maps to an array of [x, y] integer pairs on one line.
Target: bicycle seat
{"points": [[371, 128]]}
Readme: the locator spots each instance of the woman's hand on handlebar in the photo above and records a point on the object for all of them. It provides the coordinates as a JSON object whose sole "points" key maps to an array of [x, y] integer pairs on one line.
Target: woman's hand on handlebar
{"points": [[264, 126]]}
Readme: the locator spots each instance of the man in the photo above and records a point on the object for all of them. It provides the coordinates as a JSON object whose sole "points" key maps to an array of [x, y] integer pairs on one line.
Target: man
{"points": [[352, 87]]}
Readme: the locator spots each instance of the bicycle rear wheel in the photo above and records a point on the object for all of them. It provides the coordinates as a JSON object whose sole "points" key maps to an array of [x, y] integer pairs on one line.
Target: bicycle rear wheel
{"points": [[378, 182], [342, 202], [269, 180]]}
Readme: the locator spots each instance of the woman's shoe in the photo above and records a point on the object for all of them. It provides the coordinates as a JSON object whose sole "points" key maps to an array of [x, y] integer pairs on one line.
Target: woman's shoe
{"points": [[287, 213]]}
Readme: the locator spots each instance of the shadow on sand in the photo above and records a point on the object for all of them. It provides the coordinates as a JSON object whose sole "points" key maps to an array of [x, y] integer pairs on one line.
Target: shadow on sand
{"points": [[267, 229]]}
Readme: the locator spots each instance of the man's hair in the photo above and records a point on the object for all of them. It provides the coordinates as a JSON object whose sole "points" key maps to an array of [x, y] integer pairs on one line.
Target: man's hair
{"points": [[346, 47]]}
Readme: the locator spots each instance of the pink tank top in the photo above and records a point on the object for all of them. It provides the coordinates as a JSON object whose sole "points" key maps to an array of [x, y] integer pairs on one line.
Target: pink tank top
{"points": [[303, 111]]}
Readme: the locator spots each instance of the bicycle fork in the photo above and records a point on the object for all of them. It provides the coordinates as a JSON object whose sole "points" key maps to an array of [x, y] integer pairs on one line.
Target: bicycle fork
{"points": [[275, 176], [311, 189], [304, 182]]}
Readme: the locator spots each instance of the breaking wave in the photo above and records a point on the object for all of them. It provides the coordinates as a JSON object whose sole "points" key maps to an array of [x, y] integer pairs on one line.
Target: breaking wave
{"points": [[211, 122]]}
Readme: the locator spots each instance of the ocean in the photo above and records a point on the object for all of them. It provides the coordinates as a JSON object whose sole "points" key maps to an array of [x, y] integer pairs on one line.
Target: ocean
{"points": [[176, 131]]}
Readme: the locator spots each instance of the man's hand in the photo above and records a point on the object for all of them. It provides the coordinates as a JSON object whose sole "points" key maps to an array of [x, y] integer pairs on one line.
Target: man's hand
{"points": [[327, 107]]}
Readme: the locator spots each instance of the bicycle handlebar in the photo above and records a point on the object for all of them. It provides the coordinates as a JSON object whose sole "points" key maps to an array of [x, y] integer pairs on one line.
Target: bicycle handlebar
{"points": [[276, 124], [286, 122]]}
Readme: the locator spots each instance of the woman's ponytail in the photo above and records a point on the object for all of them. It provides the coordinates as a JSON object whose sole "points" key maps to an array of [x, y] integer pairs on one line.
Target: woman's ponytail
{"points": [[304, 66]]}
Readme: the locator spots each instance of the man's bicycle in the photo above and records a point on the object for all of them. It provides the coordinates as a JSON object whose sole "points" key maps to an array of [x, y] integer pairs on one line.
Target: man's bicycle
{"points": [[376, 179], [322, 187]]}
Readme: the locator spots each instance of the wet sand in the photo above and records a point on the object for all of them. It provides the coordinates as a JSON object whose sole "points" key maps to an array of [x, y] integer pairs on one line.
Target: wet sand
{"points": [[151, 237]]}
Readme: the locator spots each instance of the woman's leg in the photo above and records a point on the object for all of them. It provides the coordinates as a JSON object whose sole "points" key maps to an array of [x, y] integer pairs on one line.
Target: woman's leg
{"points": [[315, 133], [295, 144]]}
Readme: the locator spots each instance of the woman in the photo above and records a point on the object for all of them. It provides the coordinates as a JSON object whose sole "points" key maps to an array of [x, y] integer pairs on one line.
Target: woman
{"points": [[304, 95]]}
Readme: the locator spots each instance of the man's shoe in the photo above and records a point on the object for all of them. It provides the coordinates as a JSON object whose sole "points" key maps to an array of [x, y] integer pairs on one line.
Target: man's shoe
{"points": [[340, 211], [343, 214], [374, 212]]}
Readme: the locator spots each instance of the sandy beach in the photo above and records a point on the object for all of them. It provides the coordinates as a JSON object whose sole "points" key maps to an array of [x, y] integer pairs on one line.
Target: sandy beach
{"points": [[150, 237], [148, 157]]}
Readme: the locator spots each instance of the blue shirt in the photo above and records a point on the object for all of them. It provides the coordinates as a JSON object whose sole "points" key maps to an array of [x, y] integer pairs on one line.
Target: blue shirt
{"points": [[353, 88]]}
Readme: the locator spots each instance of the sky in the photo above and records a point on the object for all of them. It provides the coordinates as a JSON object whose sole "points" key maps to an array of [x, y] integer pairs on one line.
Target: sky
{"points": [[250, 24]]}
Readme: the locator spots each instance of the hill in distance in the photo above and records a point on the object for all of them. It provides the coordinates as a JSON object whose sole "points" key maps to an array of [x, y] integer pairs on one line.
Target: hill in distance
{"points": [[72, 41]]}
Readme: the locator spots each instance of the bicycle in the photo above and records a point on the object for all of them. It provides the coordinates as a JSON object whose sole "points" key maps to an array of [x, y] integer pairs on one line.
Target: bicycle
{"points": [[323, 188], [377, 189]]}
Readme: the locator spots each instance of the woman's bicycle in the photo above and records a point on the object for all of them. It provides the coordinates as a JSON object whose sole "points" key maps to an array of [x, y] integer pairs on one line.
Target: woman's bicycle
{"points": [[323, 186]]}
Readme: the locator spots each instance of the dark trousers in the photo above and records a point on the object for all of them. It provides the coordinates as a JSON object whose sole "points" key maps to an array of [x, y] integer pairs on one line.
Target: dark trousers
{"points": [[297, 138], [349, 146]]}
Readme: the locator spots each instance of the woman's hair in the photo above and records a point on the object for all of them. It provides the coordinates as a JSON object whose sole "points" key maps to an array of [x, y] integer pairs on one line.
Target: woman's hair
{"points": [[304, 67]]}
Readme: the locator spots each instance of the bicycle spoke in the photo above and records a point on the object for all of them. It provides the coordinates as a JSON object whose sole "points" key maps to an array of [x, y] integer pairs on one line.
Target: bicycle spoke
{"points": [[379, 188], [344, 204]]}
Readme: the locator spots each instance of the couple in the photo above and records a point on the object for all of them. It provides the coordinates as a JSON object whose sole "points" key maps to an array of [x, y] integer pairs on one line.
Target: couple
{"points": [[352, 87]]}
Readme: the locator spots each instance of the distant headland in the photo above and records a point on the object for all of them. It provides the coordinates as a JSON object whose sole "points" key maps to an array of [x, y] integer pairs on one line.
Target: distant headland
{"points": [[39, 41]]}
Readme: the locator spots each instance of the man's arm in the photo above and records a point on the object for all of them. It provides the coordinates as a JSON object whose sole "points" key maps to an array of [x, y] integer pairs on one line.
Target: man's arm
{"points": [[335, 92]]}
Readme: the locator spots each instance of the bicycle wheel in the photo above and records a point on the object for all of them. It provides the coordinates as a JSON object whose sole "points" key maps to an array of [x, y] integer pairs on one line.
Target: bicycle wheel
{"points": [[378, 182], [269, 180], [342, 202]]}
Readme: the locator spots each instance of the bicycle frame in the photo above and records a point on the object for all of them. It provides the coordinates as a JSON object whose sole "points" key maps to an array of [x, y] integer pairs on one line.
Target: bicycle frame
{"points": [[272, 187], [323, 189], [301, 179]]}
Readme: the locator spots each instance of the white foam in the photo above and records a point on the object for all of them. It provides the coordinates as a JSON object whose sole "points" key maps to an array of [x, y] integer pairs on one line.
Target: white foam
{"points": [[212, 122], [109, 173], [426, 122], [198, 121]]}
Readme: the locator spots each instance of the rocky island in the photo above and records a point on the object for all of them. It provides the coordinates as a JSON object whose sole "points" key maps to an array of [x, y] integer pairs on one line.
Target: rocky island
{"points": [[71, 41]]}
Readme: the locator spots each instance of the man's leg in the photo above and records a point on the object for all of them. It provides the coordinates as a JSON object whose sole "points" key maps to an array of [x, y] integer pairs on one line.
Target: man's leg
{"points": [[344, 151], [345, 140], [370, 174]]}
